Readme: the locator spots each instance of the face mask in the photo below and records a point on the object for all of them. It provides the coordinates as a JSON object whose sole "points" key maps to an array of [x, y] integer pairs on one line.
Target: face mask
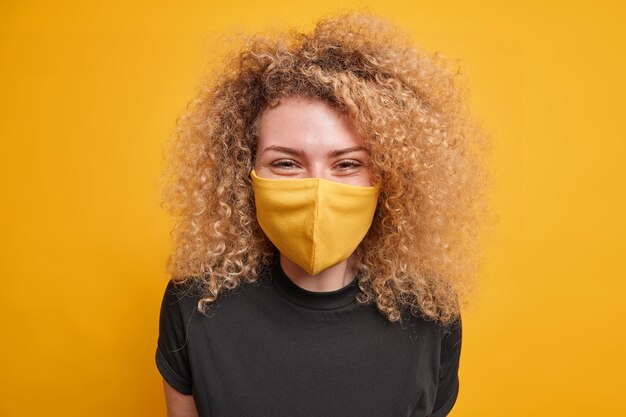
{"points": [[314, 222]]}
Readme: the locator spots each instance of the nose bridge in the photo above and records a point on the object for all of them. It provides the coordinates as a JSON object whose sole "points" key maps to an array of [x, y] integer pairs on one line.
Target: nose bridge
{"points": [[317, 169]]}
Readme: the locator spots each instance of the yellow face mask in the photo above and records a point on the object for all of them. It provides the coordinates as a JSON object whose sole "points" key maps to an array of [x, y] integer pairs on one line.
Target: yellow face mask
{"points": [[316, 223]]}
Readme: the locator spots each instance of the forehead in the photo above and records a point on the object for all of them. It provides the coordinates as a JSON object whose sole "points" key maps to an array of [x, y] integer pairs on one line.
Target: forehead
{"points": [[307, 124]]}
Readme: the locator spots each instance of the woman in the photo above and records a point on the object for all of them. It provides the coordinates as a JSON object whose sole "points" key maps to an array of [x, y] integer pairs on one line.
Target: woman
{"points": [[327, 193]]}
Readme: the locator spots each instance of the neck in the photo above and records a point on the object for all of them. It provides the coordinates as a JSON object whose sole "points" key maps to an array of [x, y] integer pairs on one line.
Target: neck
{"points": [[330, 279]]}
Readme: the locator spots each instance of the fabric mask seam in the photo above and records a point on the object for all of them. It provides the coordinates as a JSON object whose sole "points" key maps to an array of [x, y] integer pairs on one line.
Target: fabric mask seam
{"points": [[315, 225]]}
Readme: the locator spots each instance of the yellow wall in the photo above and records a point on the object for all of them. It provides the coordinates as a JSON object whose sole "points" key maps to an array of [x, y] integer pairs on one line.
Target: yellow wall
{"points": [[89, 94]]}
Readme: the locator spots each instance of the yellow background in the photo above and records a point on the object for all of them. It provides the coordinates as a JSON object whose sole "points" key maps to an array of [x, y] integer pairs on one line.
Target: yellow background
{"points": [[90, 93]]}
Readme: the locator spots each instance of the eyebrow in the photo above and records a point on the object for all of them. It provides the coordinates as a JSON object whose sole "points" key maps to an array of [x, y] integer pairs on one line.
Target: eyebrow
{"points": [[299, 152]]}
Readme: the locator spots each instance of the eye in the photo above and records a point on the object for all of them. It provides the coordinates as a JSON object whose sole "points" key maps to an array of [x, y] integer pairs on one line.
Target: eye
{"points": [[344, 165], [283, 163]]}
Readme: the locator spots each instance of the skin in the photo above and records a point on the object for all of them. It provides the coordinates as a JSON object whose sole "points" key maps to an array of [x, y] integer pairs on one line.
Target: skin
{"points": [[178, 404], [314, 130]]}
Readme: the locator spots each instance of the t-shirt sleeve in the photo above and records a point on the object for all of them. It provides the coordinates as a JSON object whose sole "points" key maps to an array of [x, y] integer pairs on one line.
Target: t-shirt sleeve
{"points": [[172, 358], [448, 387]]}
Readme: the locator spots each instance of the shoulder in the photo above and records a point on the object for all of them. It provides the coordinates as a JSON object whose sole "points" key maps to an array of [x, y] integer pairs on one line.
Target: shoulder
{"points": [[177, 306], [453, 330], [186, 296], [177, 293], [415, 322]]}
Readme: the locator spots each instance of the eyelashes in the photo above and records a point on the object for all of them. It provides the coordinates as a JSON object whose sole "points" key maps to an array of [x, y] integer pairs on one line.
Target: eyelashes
{"points": [[343, 166]]}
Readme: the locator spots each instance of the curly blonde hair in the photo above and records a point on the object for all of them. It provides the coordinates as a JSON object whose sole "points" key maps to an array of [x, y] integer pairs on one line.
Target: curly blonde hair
{"points": [[421, 252]]}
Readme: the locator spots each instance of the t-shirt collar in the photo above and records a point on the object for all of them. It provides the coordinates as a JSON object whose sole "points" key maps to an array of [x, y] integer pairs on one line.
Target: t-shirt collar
{"points": [[317, 300]]}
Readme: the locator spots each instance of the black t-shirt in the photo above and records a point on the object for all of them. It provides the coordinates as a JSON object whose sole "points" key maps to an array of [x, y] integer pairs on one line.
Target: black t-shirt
{"points": [[275, 349]]}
